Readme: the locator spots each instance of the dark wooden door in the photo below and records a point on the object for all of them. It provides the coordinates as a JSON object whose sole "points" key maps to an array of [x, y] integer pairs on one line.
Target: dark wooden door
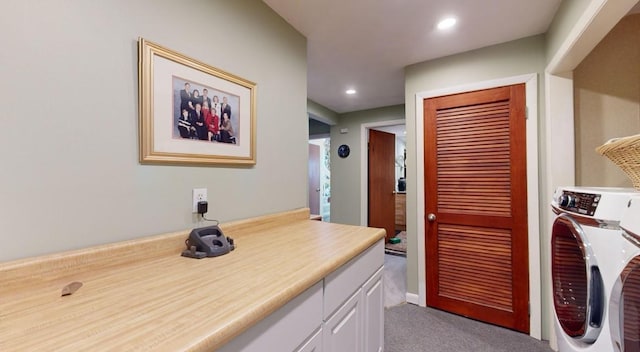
{"points": [[476, 197], [382, 150], [314, 179]]}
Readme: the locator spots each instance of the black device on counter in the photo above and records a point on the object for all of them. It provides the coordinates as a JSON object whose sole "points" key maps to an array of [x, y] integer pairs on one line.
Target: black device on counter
{"points": [[207, 242]]}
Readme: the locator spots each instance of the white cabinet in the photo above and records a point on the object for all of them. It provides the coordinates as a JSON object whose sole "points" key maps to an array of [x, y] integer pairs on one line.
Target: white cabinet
{"points": [[353, 305], [285, 329], [342, 313], [373, 311]]}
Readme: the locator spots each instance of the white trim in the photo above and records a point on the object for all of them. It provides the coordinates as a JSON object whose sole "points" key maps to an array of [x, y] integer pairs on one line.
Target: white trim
{"points": [[531, 88], [597, 20], [560, 166], [561, 62], [364, 134], [412, 298]]}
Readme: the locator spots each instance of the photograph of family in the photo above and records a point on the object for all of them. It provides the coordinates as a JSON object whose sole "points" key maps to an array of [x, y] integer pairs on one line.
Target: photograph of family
{"points": [[203, 113]]}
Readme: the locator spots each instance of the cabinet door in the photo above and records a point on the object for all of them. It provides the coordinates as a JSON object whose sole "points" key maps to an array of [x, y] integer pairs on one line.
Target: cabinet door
{"points": [[373, 313], [284, 329], [314, 344], [342, 332]]}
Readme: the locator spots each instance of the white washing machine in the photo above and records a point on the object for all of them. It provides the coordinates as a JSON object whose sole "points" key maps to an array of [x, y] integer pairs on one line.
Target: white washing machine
{"points": [[586, 247], [624, 304]]}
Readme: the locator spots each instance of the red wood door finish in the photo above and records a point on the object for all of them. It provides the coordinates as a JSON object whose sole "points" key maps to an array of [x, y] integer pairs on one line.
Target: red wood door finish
{"points": [[382, 146], [475, 184]]}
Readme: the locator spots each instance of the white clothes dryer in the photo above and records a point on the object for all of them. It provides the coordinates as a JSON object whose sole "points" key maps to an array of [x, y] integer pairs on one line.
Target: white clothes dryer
{"points": [[624, 304], [585, 236]]}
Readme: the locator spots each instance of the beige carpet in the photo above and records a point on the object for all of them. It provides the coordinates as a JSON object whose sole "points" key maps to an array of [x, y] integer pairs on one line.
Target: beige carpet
{"points": [[398, 248]]}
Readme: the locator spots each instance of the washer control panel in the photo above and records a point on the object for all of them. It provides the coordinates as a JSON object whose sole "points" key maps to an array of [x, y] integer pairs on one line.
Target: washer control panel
{"points": [[578, 202]]}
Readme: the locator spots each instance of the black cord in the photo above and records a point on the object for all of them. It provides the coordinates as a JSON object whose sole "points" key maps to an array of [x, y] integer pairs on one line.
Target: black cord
{"points": [[217, 222]]}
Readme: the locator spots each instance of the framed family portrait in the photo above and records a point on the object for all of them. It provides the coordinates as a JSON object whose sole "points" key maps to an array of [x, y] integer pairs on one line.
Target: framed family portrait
{"points": [[191, 112]]}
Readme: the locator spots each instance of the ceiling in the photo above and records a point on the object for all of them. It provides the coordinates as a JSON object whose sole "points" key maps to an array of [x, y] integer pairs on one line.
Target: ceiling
{"points": [[365, 45]]}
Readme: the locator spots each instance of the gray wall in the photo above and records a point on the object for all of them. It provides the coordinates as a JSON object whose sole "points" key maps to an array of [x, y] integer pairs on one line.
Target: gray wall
{"points": [[69, 144], [563, 22], [345, 173], [321, 113]]}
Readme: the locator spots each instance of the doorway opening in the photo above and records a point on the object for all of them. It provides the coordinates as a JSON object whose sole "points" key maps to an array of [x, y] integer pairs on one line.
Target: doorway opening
{"points": [[320, 178], [391, 188], [397, 239], [476, 196], [395, 274], [319, 181], [531, 86]]}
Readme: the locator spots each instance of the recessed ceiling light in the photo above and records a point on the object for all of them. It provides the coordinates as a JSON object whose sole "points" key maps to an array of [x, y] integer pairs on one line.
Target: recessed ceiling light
{"points": [[350, 91], [447, 23]]}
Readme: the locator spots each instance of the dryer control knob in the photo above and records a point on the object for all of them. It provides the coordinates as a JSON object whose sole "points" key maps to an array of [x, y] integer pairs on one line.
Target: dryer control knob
{"points": [[566, 200], [563, 200]]}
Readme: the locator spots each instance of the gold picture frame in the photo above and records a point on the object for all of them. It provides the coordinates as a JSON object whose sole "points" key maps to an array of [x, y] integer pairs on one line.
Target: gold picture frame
{"points": [[175, 128]]}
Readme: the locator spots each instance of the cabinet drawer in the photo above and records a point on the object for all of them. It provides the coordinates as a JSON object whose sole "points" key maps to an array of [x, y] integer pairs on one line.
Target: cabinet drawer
{"points": [[286, 328], [342, 283]]}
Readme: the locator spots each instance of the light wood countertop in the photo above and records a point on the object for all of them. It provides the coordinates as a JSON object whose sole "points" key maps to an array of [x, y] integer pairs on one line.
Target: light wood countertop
{"points": [[142, 295]]}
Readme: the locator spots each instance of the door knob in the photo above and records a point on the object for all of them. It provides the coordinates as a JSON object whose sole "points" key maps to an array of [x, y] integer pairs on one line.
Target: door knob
{"points": [[317, 189], [431, 217]]}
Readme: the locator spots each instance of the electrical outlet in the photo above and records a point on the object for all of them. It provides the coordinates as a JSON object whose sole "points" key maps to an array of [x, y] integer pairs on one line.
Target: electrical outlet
{"points": [[199, 195]]}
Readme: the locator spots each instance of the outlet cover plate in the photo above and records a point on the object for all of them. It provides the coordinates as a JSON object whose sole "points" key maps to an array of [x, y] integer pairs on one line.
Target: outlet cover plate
{"points": [[199, 194]]}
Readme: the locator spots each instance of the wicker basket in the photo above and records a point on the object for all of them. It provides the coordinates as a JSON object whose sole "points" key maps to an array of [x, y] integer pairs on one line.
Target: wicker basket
{"points": [[625, 153]]}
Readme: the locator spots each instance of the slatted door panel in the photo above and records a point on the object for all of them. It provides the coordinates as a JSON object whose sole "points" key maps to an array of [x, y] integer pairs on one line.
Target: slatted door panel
{"points": [[473, 159], [475, 180], [471, 271]]}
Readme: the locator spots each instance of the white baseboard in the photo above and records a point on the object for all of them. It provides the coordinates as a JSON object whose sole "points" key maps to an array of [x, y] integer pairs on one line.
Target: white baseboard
{"points": [[412, 298]]}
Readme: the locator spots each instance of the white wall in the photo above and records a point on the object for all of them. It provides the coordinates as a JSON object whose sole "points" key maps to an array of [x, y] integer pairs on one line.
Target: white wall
{"points": [[69, 148]]}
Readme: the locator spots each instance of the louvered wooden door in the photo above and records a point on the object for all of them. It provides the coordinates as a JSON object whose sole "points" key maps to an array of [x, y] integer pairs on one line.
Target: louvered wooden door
{"points": [[475, 184]]}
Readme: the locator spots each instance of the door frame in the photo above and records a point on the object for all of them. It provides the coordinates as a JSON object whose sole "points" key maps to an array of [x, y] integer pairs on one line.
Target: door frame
{"points": [[364, 164], [531, 88]]}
